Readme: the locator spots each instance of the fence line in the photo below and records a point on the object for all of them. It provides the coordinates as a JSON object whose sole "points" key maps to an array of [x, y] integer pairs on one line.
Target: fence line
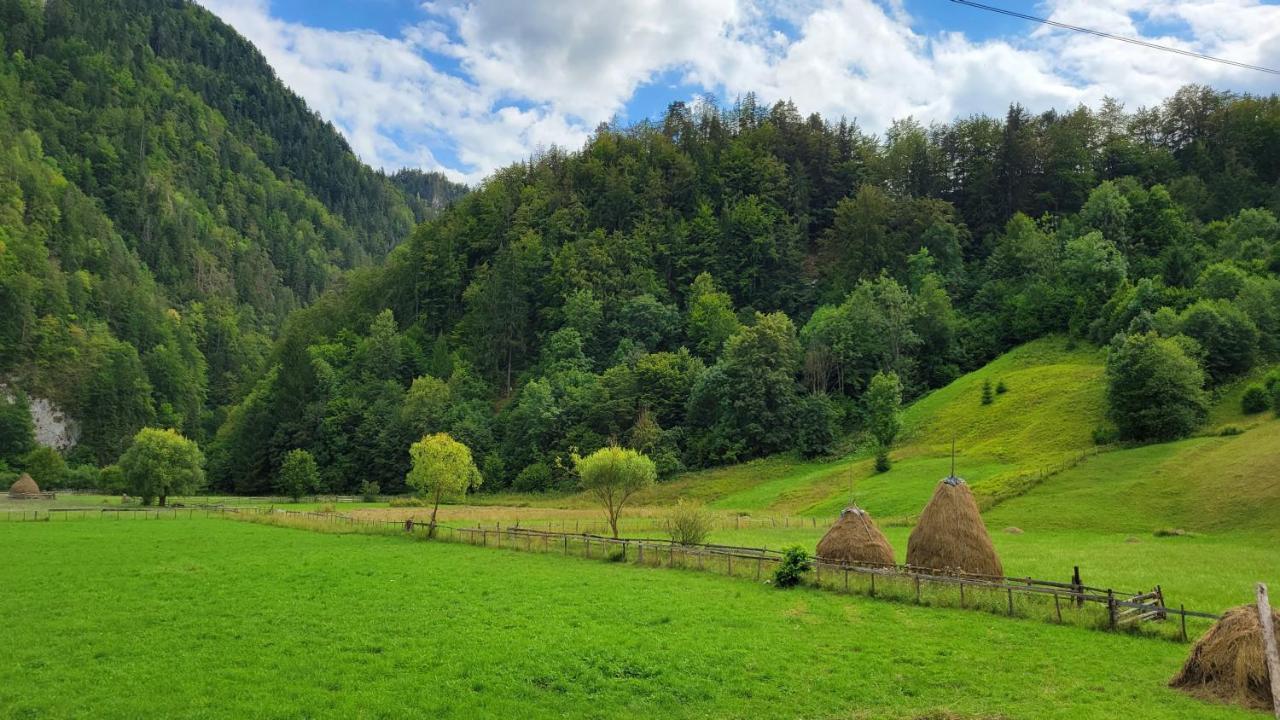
{"points": [[1074, 601]]}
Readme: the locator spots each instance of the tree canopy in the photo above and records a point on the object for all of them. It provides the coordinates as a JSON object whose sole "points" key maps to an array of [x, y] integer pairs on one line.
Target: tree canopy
{"points": [[160, 463]]}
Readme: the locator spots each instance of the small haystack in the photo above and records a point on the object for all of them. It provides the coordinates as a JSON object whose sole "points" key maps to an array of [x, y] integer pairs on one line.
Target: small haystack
{"points": [[855, 539], [1228, 663], [950, 535], [24, 488]]}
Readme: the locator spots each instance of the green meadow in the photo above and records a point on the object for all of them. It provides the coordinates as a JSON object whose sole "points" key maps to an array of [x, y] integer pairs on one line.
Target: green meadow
{"points": [[217, 618], [209, 617]]}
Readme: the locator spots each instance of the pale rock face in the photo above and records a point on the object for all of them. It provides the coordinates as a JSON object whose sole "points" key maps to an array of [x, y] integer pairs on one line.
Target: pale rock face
{"points": [[53, 428]]}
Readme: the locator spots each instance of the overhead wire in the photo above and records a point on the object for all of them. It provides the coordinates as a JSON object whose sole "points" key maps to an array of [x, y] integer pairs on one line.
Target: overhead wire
{"points": [[1113, 36]]}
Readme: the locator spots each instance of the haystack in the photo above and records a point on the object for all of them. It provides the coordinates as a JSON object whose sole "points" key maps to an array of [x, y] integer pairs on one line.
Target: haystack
{"points": [[24, 488], [855, 539], [1228, 663], [950, 535]]}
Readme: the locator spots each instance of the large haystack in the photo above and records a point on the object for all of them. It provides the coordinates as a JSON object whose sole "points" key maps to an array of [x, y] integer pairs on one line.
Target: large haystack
{"points": [[24, 488], [855, 539], [950, 535], [1228, 663]]}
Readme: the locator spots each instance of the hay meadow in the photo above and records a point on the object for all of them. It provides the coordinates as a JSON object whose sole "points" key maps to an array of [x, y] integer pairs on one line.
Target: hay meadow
{"points": [[235, 619]]}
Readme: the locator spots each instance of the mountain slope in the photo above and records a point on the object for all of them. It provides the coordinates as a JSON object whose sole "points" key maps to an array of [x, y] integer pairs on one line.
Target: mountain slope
{"points": [[172, 152]]}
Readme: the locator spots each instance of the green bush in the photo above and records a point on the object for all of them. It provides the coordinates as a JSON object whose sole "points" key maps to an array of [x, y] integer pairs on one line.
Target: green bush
{"points": [[882, 460], [1230, 430], [1255, 400], [1001, 388], [111, 480], [535, 477], [402, 502], [689, 523], [795, 563], [986, 392], [1105, 435], [46, 467], [369, 491]]}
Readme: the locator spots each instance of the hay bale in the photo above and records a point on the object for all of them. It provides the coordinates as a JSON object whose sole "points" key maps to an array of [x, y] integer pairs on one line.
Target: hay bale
{"points": [[950, 535], [24, 487], [855, 539], [1228, 664]]}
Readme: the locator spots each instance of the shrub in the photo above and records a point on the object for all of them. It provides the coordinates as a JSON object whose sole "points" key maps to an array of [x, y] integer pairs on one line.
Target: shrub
{"points": [[111, 480], [1255, 400], [795, 563], [369, 491], [1001, 388], [689, 523], [1105, 435], [986, 392], [882, 459], [298, 474], [534, 477], [46, 467], [402, 502], [1229, 430]]}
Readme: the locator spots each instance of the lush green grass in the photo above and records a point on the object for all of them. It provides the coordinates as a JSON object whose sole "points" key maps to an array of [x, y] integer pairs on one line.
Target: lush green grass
{"points": [[214, 618], [1215, 484]]}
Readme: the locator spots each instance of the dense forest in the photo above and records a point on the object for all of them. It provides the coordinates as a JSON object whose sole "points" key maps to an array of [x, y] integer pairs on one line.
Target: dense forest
{"points": [[731, 282], [184, 245], [165, 202]]}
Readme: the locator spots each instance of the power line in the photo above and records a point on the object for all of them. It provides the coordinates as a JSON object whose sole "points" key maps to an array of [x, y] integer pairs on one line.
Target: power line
{"points": [[1121, 38]]}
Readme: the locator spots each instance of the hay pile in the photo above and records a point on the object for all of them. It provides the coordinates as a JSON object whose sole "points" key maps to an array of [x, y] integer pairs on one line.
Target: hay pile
{"points": [[950, 535], [1228, 664], [24, 487], [855, 539]]}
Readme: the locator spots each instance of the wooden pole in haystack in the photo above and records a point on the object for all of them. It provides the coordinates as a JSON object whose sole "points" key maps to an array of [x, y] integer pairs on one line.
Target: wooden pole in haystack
{"points": [[1269, 646]]}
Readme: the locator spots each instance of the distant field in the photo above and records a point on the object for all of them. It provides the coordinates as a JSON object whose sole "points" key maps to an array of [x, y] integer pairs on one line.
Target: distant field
{"points": [[215, 618]]}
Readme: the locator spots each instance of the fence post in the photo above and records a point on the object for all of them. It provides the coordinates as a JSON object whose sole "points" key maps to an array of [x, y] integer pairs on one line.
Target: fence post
{"points": [[730, 564], [1010, 601], [846, 578], [1183, 608], [917, 589], [1111, 608], [873, 584], [1269, 643], [759, 562], [1057, 607], [961, 593]]}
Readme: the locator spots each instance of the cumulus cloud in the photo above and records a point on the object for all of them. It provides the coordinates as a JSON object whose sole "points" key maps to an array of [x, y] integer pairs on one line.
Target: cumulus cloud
{"points": [[471, 85]]}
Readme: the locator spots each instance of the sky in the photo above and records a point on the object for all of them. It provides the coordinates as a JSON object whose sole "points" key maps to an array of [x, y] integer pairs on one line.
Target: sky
{"points": [[468, 86]]}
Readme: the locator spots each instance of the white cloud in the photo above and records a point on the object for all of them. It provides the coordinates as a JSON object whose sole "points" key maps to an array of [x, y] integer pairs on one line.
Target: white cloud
{"points": [[518, 76]]}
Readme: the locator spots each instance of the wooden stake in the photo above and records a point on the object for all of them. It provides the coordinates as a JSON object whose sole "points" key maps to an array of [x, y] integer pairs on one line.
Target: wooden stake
{"points": [[1269, 644]]}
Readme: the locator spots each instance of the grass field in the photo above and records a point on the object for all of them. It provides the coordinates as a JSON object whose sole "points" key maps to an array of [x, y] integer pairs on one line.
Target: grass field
{"points": [[214, 618]]}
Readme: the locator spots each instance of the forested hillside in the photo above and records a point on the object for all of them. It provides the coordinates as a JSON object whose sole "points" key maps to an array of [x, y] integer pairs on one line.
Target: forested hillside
{"points": [[165, 202], [729, 283]]}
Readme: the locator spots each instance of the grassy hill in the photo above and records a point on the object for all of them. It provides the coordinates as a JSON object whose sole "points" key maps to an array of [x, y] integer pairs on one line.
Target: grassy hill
{"points": [[1045, 420], [1204, 484]]}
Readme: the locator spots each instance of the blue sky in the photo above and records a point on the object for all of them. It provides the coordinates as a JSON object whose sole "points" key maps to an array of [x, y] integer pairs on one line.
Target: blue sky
{"points": [[466, 86]]}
